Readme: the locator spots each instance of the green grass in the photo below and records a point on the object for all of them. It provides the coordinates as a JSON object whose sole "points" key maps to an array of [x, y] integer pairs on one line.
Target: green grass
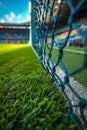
{"points": [[5, 48], [28, 100], [72, 61]]}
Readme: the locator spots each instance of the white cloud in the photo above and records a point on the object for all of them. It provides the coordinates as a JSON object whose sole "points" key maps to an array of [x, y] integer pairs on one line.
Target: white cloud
{"points": [[28, 17], [10, 17], [2, 21], [18, 22], [19, 16]]}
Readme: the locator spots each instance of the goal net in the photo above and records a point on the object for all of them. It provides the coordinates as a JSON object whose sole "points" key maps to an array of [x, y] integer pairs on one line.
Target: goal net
{"points": [[56, 26]]}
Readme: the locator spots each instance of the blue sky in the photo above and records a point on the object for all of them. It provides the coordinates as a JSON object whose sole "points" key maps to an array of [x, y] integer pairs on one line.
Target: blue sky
{"points": [[14, 11]]}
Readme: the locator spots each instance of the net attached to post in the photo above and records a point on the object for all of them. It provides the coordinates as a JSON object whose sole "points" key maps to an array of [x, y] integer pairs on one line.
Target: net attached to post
{"points": [[50, 19]]}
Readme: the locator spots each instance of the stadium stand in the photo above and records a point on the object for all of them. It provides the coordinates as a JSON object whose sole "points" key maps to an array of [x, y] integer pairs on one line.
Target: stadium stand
{"points": [[14, 33]]}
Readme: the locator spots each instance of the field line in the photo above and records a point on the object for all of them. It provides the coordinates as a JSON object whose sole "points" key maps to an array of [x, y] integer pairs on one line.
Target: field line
{"points": [[35, 52], [79, 89], [74, 51]]}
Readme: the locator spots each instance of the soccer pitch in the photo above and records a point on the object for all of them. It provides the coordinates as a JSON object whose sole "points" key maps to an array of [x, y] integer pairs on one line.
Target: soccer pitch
{"points": [[28, 99]]}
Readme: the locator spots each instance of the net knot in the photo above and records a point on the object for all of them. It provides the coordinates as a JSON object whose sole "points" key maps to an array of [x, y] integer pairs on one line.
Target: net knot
{"points": [[83, 103], [66, 79], [49, 55]]}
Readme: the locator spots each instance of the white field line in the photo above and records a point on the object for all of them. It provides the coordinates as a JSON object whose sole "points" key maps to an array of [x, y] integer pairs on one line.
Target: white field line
{"points": [[80, 90], [74, 51], [35, 52], [80, 52]]}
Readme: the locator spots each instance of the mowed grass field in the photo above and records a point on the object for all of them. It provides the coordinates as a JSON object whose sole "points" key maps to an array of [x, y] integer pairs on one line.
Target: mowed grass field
{"points": [[72, 61], [28, 99]]}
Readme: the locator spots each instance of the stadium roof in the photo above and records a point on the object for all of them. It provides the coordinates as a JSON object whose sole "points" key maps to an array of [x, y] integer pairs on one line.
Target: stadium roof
{"points": [[15, 25], [65, 12]]}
